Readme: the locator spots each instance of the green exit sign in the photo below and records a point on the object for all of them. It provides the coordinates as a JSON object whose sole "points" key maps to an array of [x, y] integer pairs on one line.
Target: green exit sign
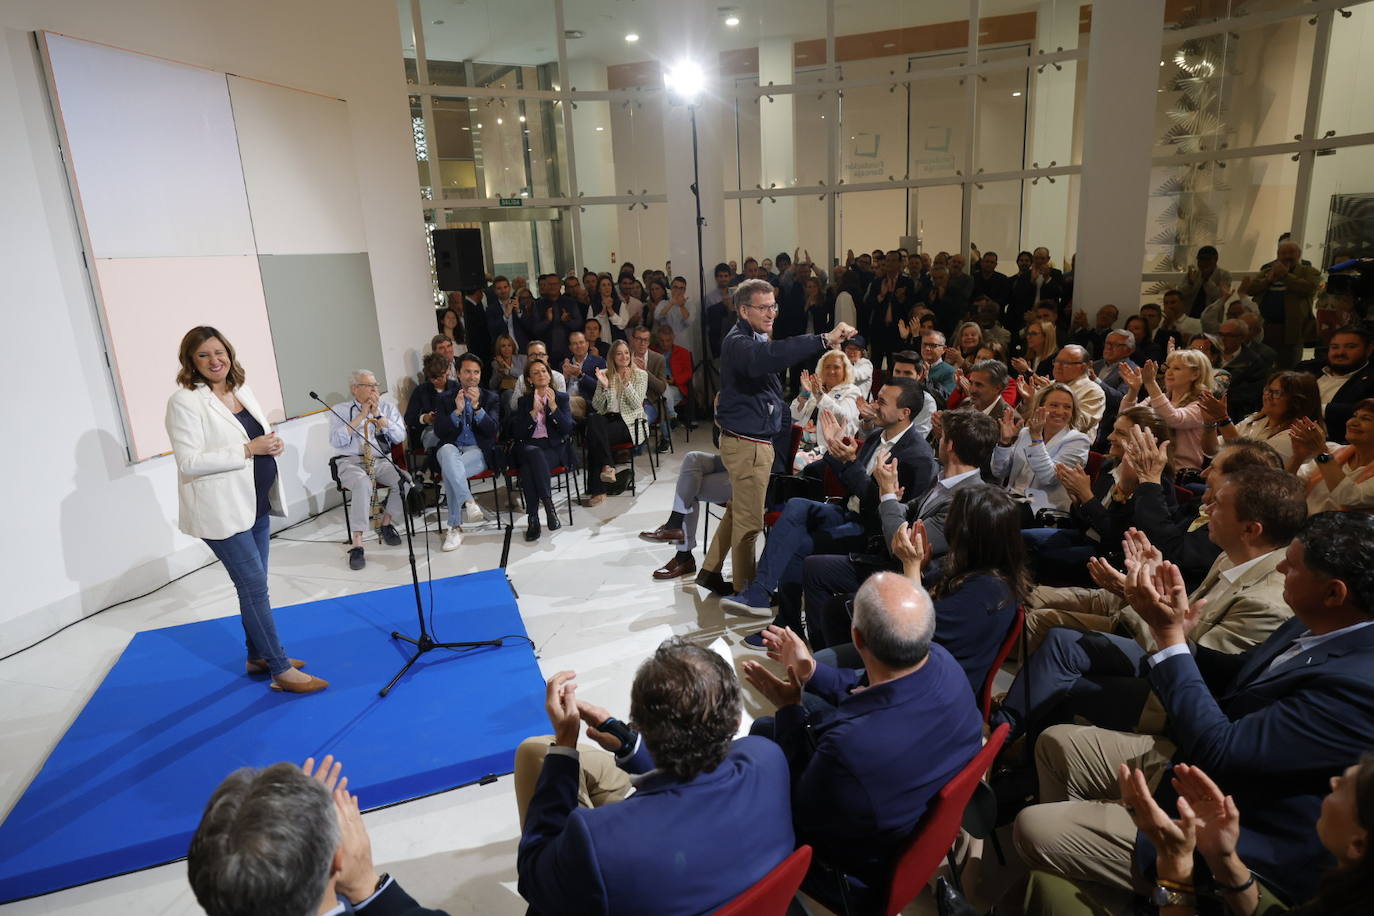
{"points": [[512, 201]]}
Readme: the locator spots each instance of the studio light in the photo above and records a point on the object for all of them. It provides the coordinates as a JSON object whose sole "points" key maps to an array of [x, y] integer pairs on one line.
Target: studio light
{"points": [[685, 80]]}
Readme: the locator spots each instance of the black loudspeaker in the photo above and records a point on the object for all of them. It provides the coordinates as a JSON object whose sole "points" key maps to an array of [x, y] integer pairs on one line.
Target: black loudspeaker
{"points": [[458, 259]]}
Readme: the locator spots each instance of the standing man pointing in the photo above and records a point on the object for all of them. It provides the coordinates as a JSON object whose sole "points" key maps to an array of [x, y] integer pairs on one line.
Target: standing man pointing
{"points": [[750, 412]]}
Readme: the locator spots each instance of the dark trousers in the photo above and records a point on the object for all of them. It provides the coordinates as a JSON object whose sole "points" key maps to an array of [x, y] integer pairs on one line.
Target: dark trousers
{"points": [[827, 584], [805, 527], [535, 458], [601, 430], [1074, 673]]}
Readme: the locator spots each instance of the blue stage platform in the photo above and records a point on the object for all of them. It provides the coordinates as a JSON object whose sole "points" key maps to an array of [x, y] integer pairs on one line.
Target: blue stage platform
{"points": [[125, 787]]}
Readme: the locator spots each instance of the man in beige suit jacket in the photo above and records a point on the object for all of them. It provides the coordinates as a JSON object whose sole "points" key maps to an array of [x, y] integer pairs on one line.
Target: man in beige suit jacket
{"points": [[1088, 662]]}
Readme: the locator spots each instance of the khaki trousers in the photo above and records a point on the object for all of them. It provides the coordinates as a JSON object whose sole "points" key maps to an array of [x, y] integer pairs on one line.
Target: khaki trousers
{"points": [[602, 781], [1079, 830], [748, 465]]}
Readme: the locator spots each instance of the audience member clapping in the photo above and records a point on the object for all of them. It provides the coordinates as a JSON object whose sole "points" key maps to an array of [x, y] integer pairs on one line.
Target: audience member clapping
{"points": [[1026, 458], [1342, 478], [617, 416], [1187, 373], [830, 389]]}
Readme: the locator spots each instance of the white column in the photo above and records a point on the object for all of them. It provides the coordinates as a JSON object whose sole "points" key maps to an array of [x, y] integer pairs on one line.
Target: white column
{"points": [[777, 152], [1051, 139], [1118, 128]]}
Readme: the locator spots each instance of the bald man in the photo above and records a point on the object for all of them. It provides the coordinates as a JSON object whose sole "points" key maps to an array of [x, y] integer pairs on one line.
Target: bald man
{"points": [[870, 747]]}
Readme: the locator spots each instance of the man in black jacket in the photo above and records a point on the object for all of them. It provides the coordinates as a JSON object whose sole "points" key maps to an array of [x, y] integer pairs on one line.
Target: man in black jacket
{"points": [[1345, 377], [291, 840], [466, 426], [424, 400], [555, 317], [988, 282], [750, 412]]}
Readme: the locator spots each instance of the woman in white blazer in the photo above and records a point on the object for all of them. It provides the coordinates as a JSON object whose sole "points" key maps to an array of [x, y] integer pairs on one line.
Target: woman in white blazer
{"points": [[1024, 460], [227, 488]]}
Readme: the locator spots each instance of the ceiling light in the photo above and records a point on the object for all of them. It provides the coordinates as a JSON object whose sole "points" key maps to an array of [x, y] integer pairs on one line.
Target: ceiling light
{"points": [[890, 44], [732, 20], [479, 126], [499, 121], [632, 37], [1016, 94], [601, 128], [522, 119]]}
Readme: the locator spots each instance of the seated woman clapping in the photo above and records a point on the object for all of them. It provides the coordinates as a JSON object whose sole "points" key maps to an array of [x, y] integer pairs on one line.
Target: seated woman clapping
{"points": [[1025, 459], [539, 428], [617, 415], [1338, 476], [830, 389]]}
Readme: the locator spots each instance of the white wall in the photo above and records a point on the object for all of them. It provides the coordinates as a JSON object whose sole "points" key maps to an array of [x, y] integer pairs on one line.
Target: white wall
{"points": [[85, 528]]}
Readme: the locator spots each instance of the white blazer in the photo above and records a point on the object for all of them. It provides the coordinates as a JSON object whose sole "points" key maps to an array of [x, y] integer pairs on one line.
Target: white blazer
{"points": [[1031, 467], [216, 497]]}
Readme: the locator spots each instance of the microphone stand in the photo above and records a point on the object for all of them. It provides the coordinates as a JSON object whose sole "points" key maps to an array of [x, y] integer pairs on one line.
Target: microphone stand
{"points": [[423, 643]]}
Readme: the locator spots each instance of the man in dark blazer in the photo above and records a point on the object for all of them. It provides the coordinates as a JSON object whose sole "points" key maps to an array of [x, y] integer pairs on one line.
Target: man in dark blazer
{"points": [[288, 839], [466, 426], [709, 817], [476, 338], [503, 316], [808, 526], [969, 436], [554, 317], [865, 770], [1345, 377], [424, 400], [1117, 347], [1272, 725]]}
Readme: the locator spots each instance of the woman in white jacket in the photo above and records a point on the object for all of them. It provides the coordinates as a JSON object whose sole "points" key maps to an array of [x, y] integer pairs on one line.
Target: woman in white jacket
{"points": [[1025, 459], [227, 489], [830, 388]]}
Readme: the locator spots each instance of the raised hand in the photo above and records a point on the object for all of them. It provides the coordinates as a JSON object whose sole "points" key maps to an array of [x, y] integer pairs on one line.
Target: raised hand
{"points": [[357, 877], [1149, 372], [1036, 424], [830, 427], [1219, 829], [1213, 408], [961, 382], [1131, 375], [1174, 840], [1146, 457], [1010, 423], [560, 702], [867, 410], [1307, 437], [885, 476], [602, 379], [328, 772]]}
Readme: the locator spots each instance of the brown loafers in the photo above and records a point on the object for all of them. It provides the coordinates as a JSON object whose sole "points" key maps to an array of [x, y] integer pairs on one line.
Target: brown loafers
{"points": [[314, 685], [662, 534], [676, 567], [715, 582]]}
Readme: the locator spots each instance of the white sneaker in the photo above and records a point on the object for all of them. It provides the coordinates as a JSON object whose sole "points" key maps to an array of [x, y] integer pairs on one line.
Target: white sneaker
{"points": [[473, 512], [453, 539]]}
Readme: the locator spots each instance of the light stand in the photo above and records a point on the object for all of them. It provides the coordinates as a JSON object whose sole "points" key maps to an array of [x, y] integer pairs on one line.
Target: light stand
{"points": [[704, 366], [422, 643]]}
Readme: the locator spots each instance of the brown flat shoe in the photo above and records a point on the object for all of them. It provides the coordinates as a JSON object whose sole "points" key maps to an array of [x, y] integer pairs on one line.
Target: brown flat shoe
{"points": [[715, 582], [676, 567], [595, 500], [314, 685], [663, 535], [259, 666]]}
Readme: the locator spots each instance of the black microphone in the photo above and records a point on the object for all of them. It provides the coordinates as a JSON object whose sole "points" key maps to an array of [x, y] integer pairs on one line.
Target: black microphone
{"points": [[382, 452]]}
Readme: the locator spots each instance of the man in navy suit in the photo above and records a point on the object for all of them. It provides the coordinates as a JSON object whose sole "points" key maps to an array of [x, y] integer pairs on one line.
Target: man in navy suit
{"points": [[288, 839], [503, 316], [1271, 725], [880, 743], [808, 526], [682, 843], [466, 426]]}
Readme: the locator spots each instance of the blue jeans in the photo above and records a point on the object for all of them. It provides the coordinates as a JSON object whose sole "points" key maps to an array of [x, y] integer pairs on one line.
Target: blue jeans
{"points": [[805, 527], [458, 463], [244, 556]]}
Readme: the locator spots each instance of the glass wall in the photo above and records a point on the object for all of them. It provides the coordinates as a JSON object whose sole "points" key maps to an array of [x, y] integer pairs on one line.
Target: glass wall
{"points": [[900, 124]]}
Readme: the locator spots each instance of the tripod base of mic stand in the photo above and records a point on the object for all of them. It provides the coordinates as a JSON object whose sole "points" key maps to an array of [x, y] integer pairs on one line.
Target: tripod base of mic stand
{"points": [[425, 644]]}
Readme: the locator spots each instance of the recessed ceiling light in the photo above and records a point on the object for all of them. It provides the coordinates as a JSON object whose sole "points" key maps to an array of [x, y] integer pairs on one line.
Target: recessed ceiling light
{"points": [[632, 37], [732, 20], [522, 119], [479, 126], [499, 121], [601, 128], [1016, 94]]}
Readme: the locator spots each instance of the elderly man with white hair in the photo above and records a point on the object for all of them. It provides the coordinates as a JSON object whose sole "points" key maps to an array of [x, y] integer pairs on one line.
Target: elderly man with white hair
{"points": [[1117, 349], [367, 421], [869, 748]]}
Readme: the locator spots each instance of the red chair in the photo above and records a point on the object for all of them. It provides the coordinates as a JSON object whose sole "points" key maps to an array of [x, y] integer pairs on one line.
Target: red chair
{"points": [[935, 834], [562, 477], [773, 893], [1093, 465], [1013, 636], [933, 839]]}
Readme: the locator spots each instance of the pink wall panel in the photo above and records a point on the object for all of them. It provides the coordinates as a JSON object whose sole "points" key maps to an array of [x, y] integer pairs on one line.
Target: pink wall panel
{"points": [[150, 303]]}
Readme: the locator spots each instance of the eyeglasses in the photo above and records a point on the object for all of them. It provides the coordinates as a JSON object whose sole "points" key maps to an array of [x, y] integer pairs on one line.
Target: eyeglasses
{"points": [[366, 384], [765, 308], [1274, 393]]}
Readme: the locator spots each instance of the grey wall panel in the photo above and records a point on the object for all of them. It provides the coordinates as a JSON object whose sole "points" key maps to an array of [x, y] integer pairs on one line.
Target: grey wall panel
{"points": [[324, 325]]}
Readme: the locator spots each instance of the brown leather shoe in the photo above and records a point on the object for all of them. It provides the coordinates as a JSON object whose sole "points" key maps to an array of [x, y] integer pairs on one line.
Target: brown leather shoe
{"points": [[664, 535], [314, 685], [715, 582], [676, 567]]}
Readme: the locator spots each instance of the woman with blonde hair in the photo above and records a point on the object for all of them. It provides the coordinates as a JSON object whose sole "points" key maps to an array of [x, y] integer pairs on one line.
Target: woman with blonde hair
{"points": [[1187, 374], [1025, 459], [968, 340], [507, 366], [1042, 342], [831, 388], [617, 412]]}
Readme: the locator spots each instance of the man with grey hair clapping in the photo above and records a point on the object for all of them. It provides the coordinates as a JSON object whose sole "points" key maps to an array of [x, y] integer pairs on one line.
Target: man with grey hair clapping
{"points": [[864, 771], [289, 841]]}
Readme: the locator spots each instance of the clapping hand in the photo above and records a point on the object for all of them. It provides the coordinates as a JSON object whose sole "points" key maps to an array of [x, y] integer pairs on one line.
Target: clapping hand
{"points": [[1174, 840], [560, 702], [1039, 381], [1138, 550], [1011, 427], [1130, 374], [1076, 482], [357, 878], [1020, 365], [1080, 320], [1036, 424], [911, 545], [1308, 438], [1149, 372], [777, 691], [784, 645], [1218, 830], [885, 476], [601, 378], [1107, 576], [961, 382], [1156, 592], [1023, 391], [571, 369], [1146, 457], [953, 356], [867, 410], [902, 330], [1214, 408], [592, 716]]}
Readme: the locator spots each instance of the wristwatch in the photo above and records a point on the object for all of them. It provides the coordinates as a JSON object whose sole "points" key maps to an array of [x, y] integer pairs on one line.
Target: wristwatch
{"points": [[1324, 457], [1165, 896]]}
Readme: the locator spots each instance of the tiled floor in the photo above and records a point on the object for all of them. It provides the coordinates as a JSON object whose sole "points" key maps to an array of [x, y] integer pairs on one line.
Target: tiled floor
{"points": [[588, 602]]}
